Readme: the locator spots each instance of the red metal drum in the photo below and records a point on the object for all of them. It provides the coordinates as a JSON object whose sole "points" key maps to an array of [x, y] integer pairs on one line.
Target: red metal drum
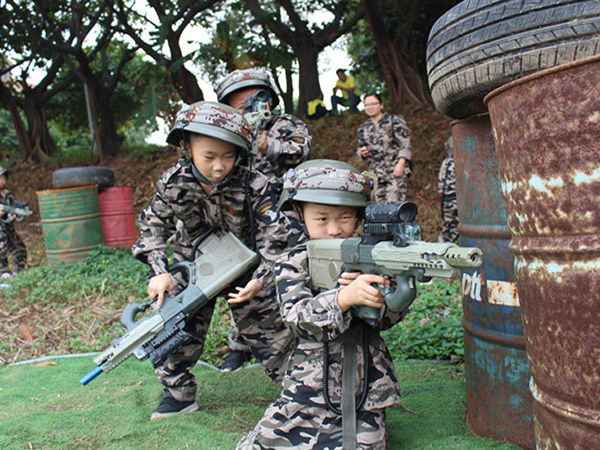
{"points": [[499, 404], [118, 218], [547, 133]]}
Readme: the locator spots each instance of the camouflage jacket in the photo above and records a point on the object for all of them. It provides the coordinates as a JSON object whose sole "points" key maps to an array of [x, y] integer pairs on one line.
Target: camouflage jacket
{"points": [[288, 144], [179, 195], [317, 319], [446, 178], [388, 140]]}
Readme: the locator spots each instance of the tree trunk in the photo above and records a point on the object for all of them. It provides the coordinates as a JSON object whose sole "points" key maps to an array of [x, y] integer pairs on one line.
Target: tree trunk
{"points": [[42, 145], [309, 75], [22, 136], [392, 63]]}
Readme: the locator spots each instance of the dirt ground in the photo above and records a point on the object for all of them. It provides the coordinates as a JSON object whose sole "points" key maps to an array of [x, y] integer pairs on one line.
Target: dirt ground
{"points": [[333, 138]]}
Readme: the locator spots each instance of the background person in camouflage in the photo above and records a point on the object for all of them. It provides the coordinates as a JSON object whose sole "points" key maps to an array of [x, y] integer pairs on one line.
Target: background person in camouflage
{"points": [[447, 189], [284, 143], [384, 142], [10, 242], [211, 187], [329, 197]]}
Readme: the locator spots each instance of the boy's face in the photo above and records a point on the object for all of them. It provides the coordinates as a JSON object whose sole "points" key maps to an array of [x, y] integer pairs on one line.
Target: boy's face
{"points": [[2, 180], [329, 222], [213, 157]]}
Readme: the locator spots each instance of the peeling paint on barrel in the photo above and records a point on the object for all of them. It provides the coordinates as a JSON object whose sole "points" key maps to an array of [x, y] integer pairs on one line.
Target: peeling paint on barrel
{"points": [[547, 139], [499, 404], [71, 223]]}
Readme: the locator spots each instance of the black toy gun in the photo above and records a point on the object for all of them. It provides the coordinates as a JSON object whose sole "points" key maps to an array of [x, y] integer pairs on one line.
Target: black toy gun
{"points": [[391, 246], [19, 210], [156, 336], [257, 115]]}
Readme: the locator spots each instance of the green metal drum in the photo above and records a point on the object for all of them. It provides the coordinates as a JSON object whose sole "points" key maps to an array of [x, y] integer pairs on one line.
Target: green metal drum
{"points": [[71, 223]]}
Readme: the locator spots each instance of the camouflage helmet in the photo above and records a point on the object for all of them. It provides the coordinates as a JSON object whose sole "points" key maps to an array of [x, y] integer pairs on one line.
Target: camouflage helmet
{"points": [[211, 119], [327, 182], [239, 79], [3, 171]]}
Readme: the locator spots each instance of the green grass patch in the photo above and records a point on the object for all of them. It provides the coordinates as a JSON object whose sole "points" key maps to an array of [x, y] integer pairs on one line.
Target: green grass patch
{"points": [[46, 407]]}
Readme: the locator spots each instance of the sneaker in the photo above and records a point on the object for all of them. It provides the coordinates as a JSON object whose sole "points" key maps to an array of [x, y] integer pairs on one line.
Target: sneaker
{"points": [[235, 360], [169, 407]]}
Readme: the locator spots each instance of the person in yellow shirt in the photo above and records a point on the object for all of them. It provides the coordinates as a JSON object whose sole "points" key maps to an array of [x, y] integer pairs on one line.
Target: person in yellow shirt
{"points": [[350, 95]]}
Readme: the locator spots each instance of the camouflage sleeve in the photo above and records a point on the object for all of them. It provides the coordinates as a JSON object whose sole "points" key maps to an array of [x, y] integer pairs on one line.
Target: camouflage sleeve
{"points": [[276, 231], [316, 318], [156, 226], [400, 138], [288, 143], [360, 139]]}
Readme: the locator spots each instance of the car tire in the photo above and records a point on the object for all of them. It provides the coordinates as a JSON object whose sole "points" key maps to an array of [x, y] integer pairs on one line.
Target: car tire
{"points": [[480, 45], [83, 176]]}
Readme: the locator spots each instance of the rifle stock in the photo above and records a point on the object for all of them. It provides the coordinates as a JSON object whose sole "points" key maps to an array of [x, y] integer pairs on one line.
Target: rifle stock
{"points": [[158, 335]]}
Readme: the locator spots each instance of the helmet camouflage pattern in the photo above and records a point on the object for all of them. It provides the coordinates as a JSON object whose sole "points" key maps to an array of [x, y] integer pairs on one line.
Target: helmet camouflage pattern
{"points": [[211, 119], [326, 182], [239, 79]]}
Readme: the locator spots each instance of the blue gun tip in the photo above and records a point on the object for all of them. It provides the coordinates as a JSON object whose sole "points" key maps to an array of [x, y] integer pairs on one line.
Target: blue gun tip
{"points": [[90, 376]]}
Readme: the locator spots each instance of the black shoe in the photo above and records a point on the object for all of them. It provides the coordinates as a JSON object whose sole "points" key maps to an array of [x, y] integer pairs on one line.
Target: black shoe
{"points": [[169, 407], [235, 360]]}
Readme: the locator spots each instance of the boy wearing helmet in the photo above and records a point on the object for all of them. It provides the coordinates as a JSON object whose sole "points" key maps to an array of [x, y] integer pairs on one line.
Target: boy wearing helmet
{"points": [[283, 143], [341, 377], [211, 188], [10, 242]]}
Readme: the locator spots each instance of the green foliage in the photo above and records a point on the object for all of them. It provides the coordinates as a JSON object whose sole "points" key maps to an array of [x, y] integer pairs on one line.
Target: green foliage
{"points": [[108, 271], [432, 329], [9, 146]]}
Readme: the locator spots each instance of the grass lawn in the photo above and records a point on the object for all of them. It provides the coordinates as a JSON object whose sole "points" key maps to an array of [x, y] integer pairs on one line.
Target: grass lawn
{"points": [[44, 406]]}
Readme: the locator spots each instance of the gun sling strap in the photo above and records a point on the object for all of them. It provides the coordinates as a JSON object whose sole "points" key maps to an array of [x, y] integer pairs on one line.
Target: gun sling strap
{"points": [[349, 404]]}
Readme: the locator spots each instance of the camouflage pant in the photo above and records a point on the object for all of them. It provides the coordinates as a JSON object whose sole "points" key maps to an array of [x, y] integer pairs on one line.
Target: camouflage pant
{"points": [[449, 231], [391, 191], [10, 242], [261, 327], [287, 424]]}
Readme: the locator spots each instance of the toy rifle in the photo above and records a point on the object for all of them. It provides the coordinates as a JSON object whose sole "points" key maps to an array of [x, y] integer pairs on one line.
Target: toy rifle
{"points": [[19, 210], [391, 246], [156, 336], [257, 115]]}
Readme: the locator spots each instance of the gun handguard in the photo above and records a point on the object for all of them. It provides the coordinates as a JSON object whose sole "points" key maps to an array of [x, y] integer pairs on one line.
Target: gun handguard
{"points": [[19, 209], [223, 261], [419, 260]]}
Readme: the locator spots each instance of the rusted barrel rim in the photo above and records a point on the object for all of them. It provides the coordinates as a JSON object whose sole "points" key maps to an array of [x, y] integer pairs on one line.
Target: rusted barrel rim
{"points": [[467, 119], [540, 74], [578, 414], [506, 340]]}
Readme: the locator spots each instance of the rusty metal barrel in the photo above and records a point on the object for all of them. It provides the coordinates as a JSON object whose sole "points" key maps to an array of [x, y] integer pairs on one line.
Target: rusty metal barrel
{"points": [[499, 404], [71, 223], [118, 217], [547, 133]]}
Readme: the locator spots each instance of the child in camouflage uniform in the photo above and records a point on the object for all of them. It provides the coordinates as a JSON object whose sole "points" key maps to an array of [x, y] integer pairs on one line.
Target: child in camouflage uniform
{"points": [[447, 189], [322, 380], [211, 187], [384, 142], [10, 242], [283, 143]]}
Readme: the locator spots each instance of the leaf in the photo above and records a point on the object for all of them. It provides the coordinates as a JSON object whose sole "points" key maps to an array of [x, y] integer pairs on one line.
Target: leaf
{"points": [[424, 321], [46, 363], [26, 332]]}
